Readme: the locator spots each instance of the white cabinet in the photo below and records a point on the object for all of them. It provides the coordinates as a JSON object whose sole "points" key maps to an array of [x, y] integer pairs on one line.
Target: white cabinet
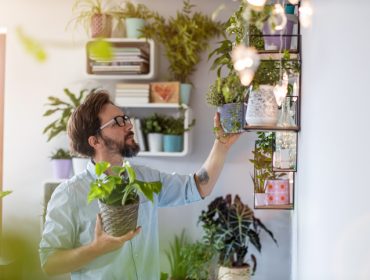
{"points": [[133, 59], [145, 110]]}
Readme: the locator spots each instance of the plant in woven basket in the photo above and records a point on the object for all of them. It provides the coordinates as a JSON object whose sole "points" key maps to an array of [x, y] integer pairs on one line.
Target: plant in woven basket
{"points": [[64, 109], [118, 196], [230, 227]]}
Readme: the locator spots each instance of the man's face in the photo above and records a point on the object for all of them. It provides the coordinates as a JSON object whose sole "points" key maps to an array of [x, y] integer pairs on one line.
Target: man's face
{"points": [[117, 134]]}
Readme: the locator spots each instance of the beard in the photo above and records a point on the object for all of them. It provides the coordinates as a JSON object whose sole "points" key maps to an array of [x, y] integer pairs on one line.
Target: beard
{"points": [[124, 148]]}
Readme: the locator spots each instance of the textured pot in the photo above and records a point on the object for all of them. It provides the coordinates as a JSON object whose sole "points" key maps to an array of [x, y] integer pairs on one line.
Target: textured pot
{"points": [[232, 117], [227, 273], [262, 109], [118, 220], [101, 26], [62, 168]]}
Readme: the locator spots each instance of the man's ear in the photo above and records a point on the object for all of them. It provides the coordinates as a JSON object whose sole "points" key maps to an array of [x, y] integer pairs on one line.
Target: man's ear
{"points": [[93, 141]]}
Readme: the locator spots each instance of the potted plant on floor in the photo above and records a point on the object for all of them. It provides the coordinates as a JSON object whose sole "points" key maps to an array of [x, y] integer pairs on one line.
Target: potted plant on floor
{"points": [[118, 196], [173, 133], [64, 109], [230, 227], [135, 17], [184, 38], [61, 162], [153, 129], [94, 15]]}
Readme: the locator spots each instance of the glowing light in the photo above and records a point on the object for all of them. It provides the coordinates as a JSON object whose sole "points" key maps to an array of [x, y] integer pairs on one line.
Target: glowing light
{"points": [[246, 76], [244, 57], [305, 13], [281, 90], [279, 17], [293, 2], [257, 3], [3, 30]]}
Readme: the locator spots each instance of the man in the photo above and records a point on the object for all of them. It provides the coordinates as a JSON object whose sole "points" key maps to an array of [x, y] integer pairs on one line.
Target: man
{"points": [[73, 239]]}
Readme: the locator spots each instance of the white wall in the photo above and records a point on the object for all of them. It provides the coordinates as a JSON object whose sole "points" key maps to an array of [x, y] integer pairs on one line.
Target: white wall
{"points": [[28, 84], [333, 188]]}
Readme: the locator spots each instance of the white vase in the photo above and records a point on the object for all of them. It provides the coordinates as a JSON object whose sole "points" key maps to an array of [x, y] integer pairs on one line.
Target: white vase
{"points": [[233, 273], [79, 164], [155, 142], [259, 199], [262, 109]]}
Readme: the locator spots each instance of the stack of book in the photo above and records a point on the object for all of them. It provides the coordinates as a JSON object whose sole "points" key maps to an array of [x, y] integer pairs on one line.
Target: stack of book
{"points": [[125, 61], [128, 93]]}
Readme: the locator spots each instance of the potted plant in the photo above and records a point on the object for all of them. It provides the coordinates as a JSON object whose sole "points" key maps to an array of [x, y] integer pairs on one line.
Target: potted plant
{"points": [[184, 38], [230, 227], [173, 130], [153, 129], [262, 161], [64, 109], [175, 257], [135, 17], [118, 196], [95, 15], [61, 162]]}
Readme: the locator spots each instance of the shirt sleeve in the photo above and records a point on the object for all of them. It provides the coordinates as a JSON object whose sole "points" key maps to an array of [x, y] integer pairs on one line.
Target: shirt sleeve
{"points": [[177, 190], [60, 224]]}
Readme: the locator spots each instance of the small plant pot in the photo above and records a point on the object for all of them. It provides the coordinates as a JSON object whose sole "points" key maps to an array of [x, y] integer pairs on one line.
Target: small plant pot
{"points": [[234, 273], [185, 92], [101, 26], [62, 168], [259, 199], [155, 142], [232, 117], [133, 26], [173, 143], [118, 220]]}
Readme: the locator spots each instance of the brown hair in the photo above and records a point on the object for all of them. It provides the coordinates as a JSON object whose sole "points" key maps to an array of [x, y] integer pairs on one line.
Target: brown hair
{"points": [[84, 122]]}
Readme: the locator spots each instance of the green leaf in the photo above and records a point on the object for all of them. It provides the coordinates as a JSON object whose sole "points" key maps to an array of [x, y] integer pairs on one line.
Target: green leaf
{"points": [[101, 167], [4, 193]]}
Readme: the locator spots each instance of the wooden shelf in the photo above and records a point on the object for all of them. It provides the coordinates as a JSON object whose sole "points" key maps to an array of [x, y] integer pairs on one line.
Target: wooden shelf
{"points": [[275, 207], [270, 128]]}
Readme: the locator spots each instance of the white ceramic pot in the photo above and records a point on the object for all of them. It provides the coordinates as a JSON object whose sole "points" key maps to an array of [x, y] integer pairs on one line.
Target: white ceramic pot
{"points": [[155, 142], [260, 199], [262, 109], [231, 273]]}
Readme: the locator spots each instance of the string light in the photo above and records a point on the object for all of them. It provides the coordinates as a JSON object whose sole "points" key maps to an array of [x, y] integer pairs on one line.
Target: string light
{"points": [[245, 61], [281, 89], [257, 3], [293, 2], [305, 13], [278, 17]]}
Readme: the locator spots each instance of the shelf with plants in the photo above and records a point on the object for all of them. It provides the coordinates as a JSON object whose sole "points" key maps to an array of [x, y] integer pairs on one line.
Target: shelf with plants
{"points": [[121, 59], [165, 119]]}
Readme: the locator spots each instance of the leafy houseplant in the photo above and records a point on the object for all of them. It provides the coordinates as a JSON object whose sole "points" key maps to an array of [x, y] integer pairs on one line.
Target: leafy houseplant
{"points": [[230, 227], [64, 109], [184, 38], [175, 257], [153, 128], [94, 14], [61, 154], [173, 130], [118, 196]]}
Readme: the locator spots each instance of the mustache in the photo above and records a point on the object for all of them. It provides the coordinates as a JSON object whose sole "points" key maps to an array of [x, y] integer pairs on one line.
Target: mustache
{"points": [[130, 133]]}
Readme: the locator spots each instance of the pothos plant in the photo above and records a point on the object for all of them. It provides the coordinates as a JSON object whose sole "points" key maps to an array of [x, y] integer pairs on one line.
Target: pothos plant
{"points": [[262, 161], [230, 227], [118, 189]]}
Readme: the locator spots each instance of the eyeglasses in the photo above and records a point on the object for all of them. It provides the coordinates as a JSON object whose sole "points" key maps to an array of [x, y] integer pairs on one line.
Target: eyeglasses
{"points": [[119, 120]]}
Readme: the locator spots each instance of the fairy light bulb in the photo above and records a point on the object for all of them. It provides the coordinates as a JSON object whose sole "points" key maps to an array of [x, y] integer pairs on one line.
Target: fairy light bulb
{"points": [[293, 2], [305, 13], [279, 17], [246, 76], [257, 3], [245, 58]]}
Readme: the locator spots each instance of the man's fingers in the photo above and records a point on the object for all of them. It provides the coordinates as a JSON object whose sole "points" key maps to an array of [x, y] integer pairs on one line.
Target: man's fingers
{"points": [[131, 234], [216, 120], [98, 225]]}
